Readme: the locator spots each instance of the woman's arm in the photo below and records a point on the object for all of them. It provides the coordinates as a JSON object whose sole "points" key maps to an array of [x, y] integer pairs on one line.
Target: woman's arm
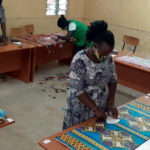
{"points": [[67, 37], [86, 100], [111, 107]]}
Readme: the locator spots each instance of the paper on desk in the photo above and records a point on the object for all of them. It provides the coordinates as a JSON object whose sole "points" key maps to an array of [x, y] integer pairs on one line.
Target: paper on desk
{"points": [[113, 55], [47, 38], [115, 50], [144, 146], [111, 120], [10, 120], [18, 43]]}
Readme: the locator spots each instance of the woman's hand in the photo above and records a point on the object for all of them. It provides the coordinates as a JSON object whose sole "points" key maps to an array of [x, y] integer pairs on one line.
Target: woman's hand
{"points": [[100, 114], [112, 110]]}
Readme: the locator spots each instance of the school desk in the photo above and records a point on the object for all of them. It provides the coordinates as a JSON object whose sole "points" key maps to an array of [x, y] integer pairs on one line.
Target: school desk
{"points": [[16, 61], [47, 49], [132, 76], [132, 131], [7, 122]]}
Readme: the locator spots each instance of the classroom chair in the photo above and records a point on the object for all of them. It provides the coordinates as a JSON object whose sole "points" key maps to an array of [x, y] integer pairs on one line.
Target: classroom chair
{"points": [[29, 28], [133, 41], [18, 32]]}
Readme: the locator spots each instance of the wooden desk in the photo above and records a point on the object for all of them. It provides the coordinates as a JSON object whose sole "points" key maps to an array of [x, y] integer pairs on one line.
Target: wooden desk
{"points": [[131, 75], [43, 54], [7, 122], [54, 145], [16, 61]]}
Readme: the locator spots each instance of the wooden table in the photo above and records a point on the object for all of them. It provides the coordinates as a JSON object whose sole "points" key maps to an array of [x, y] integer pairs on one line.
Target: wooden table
{"points": [[43, 54], [16, 61], [54, 145], [131, 75], [7, 122]]}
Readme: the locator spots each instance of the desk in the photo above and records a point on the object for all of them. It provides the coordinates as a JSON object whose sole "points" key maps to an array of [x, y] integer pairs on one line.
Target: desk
{"points": [[53, 144], [132, 76], [7, 122], [47, 49], [16, 61]]}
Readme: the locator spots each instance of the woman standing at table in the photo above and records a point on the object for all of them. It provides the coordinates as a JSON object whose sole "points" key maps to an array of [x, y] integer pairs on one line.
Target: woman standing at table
{"points": [[75, 29], [93, 79]]}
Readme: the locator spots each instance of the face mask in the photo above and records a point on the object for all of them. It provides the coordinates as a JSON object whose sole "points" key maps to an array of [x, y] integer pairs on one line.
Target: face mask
{"points": [[100, 58]]}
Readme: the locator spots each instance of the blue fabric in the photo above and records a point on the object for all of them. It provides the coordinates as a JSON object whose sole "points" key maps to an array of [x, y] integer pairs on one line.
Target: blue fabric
{"points": [[129, 131]]}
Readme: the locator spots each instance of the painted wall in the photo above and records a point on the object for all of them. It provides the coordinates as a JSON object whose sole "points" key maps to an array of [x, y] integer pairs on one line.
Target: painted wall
{"points": [[22, 12], [124, 17]]}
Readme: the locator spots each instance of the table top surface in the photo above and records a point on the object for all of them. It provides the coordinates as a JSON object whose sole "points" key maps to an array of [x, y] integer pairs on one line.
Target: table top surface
{"points": [[124, 53], [15, 47], [54, 144]]}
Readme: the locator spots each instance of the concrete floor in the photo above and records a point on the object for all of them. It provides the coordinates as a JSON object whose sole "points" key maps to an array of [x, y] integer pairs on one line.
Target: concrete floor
{"points": [[36, 112]]}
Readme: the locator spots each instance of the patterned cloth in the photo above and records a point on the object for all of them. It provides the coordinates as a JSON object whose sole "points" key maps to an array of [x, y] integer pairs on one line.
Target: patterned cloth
{"points": [[91, 78], [141, 62], [132, 131], [44, 39]]}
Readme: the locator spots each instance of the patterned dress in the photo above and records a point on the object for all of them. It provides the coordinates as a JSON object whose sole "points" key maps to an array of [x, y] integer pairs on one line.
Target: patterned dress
{"points": [[91, 78]]}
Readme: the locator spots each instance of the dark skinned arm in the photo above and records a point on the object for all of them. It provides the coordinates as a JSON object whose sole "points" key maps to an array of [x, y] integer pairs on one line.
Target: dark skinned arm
{"points": [[67, 37], [86, 100], [111, 108]]}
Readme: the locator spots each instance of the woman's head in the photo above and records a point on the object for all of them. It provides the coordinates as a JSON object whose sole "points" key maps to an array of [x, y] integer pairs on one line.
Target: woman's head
{"points": [[102, 38], [62, 22]]}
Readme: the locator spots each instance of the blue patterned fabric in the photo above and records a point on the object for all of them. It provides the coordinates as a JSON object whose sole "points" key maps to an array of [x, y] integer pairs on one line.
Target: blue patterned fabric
{"points": [[132, 131], [90, 78]]}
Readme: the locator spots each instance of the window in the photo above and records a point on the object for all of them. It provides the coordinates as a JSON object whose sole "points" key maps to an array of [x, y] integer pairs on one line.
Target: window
{"points": [[56, 7]]}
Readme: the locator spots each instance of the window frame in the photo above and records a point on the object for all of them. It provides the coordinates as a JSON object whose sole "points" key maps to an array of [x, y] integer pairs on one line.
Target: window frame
{"points": [[57, 8]]}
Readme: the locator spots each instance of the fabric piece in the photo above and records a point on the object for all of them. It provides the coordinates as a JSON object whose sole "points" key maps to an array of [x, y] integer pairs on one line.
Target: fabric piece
{"points": [[141, 62], [44, 39], [92, 78], [132, 130]]}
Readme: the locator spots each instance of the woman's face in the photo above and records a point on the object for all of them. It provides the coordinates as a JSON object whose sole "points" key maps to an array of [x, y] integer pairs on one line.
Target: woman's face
{"points": [[103, 49]]}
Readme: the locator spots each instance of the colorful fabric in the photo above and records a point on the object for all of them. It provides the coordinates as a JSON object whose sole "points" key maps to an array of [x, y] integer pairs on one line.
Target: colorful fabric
{"points": [[132, 130], [44, 39], [141, 62], [91, 78]]}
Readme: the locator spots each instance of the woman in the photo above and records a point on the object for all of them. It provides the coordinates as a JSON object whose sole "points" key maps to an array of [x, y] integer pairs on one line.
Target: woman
{"points": [[93, 79], [75, 29]]}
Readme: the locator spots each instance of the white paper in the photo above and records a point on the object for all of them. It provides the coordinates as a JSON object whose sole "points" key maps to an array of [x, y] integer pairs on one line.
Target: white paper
{"points": [[18, 43], [47, 38], [148, 94], [113, 55], [46, 141], [114, 50], [144, 146], [146, 97], [90, 129], [111, 120], [10, 120]]}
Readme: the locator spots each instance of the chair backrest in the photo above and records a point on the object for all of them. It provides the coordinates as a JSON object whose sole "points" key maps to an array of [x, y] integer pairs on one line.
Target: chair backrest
{"points": [[18, 32], [131, 41], [29, 28]]}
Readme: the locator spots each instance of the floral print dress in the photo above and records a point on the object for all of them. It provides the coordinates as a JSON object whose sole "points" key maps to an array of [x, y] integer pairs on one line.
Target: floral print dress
{"points": [[91, 78]]}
